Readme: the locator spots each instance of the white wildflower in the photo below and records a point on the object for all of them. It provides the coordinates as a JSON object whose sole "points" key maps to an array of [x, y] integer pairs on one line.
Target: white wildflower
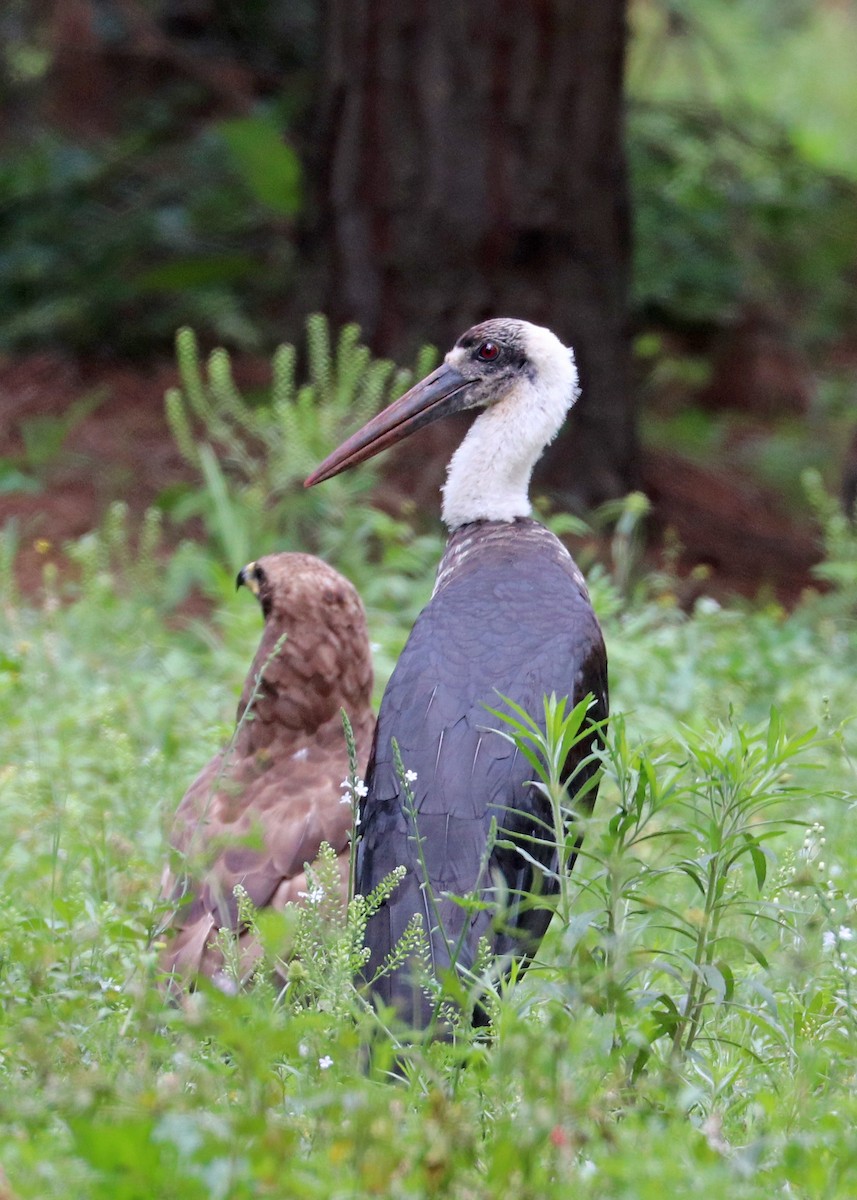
{"points": [[314, 896], [411, 776], [846, 933], [358, 791], [828, 939], [325, 1062]]}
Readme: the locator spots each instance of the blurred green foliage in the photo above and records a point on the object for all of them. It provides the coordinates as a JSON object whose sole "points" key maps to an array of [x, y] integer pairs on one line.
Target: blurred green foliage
{"points": [[120, 223], [732, 213], [743, 158], [113, 246]]}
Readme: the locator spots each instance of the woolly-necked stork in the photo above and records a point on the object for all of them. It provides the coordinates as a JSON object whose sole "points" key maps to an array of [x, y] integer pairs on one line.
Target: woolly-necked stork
{"points": [[510, 615]]}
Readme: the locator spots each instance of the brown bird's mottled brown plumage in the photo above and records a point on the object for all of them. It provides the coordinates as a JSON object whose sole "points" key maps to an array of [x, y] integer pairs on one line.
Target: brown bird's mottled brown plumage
{"points": [[260, 810]]}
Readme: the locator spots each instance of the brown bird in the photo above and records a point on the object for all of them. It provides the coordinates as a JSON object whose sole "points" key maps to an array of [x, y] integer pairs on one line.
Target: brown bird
{"points": [[260, 809]]}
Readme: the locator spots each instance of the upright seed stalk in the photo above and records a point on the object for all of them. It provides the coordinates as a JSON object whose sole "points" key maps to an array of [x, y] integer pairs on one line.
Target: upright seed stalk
{"points": [[354, 784]]}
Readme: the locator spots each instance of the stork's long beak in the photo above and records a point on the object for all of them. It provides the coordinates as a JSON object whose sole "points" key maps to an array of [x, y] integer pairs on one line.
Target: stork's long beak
{"points": [[438, 394]]}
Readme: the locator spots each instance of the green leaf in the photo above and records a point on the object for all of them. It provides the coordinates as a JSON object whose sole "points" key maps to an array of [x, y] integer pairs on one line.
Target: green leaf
{"points": [[760, 861], [714, 980], [269, 166]]}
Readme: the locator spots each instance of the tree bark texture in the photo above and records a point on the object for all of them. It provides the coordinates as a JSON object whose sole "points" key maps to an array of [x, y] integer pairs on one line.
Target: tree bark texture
{"points": [[472, 166]]}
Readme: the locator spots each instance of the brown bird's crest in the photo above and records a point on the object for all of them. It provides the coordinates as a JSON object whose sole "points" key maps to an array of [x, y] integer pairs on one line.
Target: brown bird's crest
{"points": [[258, 812]]}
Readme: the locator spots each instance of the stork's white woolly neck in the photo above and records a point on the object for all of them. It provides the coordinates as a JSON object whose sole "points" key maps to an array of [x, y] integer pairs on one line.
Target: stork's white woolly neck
{"points": [[488, 477]]}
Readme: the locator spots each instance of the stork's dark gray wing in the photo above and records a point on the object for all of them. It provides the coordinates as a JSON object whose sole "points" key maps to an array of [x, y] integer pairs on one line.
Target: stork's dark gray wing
{"points": [[510, 615]]}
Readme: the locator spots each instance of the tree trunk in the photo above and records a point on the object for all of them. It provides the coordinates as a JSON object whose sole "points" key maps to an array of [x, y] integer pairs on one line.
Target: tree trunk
{"points": [[471, 165]]}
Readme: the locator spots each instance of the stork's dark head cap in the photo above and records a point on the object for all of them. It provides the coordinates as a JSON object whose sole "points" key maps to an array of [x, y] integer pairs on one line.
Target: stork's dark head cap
{"points": [[495, 355], [494, 341]]}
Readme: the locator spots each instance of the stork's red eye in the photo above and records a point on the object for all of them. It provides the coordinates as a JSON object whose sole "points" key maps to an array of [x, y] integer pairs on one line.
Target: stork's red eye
{"points": [[488, 351]]}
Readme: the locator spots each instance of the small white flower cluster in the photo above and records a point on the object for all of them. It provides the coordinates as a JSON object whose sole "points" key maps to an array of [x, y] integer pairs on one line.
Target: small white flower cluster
{"points": [[325, 1062], [831, 939], [314, 896], [832, 888], [813, 843], [812, 851], [411, 776], [353, 793]]}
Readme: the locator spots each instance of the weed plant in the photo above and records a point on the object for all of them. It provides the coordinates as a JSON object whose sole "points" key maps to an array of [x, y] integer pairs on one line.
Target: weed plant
{"points": [[689, 1024], [252, 458], [253, 454]]}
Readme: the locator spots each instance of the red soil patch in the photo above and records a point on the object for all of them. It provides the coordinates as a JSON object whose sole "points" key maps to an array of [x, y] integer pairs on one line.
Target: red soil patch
{"points": [[121, 450], [735, 529]]}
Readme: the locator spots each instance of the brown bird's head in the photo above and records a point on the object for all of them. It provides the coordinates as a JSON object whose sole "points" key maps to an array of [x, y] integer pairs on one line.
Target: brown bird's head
{"points": [[256, 579], [314, 657]]}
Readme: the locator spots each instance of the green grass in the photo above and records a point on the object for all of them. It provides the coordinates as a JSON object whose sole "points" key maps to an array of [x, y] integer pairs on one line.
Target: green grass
{"points": [[690, 1026]]}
